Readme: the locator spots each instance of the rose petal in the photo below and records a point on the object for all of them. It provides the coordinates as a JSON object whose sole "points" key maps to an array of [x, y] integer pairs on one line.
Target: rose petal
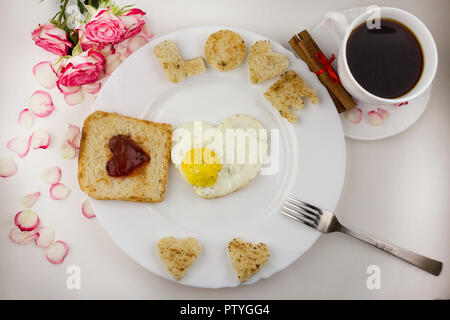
{"points": [[74, 98], [44, 237], [26, 118], [136, 42], [87, 210], [26, 220], [41, 104], [51, 175], [29, 200], [59, 191], [73, 136], [56, 252], [92, 88], [68, 90], [45, 75], [21, 237], [68, 151], [8, 167], [40, 139], [19, 145]]}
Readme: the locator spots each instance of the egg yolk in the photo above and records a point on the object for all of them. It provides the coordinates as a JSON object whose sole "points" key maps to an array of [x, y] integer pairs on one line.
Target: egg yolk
{"points": [[201, 167]]}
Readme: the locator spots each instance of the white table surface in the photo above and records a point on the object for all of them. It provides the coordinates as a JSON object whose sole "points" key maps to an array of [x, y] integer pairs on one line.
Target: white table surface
{"points": [[396, 189]]}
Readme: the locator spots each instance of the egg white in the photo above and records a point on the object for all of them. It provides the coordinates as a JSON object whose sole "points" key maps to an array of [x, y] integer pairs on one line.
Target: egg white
{"points": [[238, 169]]}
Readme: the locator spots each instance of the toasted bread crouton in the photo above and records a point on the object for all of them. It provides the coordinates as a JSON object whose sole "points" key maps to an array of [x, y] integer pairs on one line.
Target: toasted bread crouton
{"points": [[247, 258], [289, 91], [225, 50], [146, 183], [178, 255], [175, 68], [264, 63]]}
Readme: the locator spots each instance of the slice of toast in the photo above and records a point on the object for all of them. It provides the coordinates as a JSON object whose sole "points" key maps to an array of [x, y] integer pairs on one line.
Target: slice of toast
{"points": [[265, 64], [147, 183], [178, 255], [175, 68], [225, 50], [247, 258], [289, 91]]}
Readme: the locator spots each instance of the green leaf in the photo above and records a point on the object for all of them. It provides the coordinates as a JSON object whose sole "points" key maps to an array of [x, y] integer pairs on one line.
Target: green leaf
{"points": [[93, 3], [77, 50], [91, 10], [81, 7]]}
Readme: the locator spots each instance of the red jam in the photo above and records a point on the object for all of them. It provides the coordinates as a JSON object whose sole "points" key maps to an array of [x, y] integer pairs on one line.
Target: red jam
{"points": [[127, 156]]}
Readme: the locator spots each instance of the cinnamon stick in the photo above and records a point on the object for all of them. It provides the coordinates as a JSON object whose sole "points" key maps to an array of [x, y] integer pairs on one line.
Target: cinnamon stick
{"points": [[305, 46]]}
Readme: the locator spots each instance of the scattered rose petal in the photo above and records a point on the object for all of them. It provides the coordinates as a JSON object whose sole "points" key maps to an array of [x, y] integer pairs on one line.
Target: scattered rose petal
{"points": [[44, 237], [76, 141], [21, 237], [74, 136], [19, 145], [67, 151], [354, 115], [26, 118], [51, 175], [74, 98], [58, 191], [39, 139], [92, 88], [8, 167], [87, 210], [30, 199], [56, 252], [41, 104], [45, 74], [384, 114], [26, 220], [375, 118]]}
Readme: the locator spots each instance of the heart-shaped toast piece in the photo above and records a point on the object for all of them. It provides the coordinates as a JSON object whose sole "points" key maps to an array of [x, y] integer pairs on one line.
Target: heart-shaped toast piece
{"points": [[289, 91], [178, 255], [247, 258], [175, 68], [264, 63]]}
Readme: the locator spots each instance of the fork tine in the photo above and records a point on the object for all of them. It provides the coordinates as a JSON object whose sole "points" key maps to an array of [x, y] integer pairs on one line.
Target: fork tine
{"points": [[314, 214], [299, 216], [306, 204]]}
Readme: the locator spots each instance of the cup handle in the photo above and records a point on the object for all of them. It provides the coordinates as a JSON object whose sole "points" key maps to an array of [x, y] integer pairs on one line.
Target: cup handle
{"points": [[340, 25]]}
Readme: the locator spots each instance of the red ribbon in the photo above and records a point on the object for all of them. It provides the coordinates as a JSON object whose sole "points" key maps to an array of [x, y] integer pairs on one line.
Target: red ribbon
{"points": [[327, 67]]}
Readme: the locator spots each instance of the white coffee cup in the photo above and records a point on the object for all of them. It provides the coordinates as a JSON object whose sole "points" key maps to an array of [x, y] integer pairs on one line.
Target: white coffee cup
{"points": [[339, 22]]}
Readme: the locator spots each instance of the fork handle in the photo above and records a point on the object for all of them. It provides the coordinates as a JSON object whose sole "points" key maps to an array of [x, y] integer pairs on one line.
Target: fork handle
{"points": [[429, 265]]}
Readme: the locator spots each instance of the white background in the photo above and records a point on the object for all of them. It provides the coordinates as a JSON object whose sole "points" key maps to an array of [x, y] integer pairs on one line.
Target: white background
{"points": [[396, 189]]}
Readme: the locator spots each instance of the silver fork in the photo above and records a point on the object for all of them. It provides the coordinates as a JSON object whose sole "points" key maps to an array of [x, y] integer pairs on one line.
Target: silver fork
{"points": [[326, 222]]}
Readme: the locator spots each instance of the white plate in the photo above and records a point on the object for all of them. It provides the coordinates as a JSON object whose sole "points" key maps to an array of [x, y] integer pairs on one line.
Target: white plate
{"points": [[311, 165], [400, 118]]}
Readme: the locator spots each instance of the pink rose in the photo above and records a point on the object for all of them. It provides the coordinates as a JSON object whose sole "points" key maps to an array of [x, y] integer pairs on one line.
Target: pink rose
{"points": [[52, 39], [102, 30], [86, 68], [133, 22]]}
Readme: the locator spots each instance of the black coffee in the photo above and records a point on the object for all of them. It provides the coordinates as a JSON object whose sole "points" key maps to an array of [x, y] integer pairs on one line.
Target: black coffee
{"points": [[388, 61]]}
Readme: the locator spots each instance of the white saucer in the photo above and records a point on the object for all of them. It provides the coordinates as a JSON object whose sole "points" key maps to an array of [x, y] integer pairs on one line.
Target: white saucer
{"points": [[400, 118]]}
